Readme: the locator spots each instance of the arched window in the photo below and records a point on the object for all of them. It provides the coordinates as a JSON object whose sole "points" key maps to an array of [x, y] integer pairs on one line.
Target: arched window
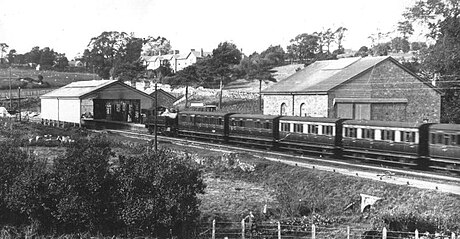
{"points": [[283, 109], [303, 109]]}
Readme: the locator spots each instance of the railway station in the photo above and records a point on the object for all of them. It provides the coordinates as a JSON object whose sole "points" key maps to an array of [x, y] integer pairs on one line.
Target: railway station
{"points": [[370, 88], [103, 100]]}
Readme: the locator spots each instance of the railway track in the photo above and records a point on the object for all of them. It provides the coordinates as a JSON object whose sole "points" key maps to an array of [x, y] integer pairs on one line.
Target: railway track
{"points": [[408, 177]]}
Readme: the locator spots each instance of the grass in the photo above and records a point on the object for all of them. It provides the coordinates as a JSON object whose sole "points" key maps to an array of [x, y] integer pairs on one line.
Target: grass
{"points": [[292, 192], [54, 78]]}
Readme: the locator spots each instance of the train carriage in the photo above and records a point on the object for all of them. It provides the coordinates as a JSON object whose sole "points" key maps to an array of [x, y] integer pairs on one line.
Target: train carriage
{"points": [[444, 147], [255, 130], [310, 135], [204, 125], [385, 142]]}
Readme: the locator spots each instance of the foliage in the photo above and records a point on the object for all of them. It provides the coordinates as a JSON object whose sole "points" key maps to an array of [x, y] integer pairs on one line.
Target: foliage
{"points": [[158, 193], [117, 54], [303, 47], [82, 187], [257, 66], [211, 71], [442, 19], [13, 162]]}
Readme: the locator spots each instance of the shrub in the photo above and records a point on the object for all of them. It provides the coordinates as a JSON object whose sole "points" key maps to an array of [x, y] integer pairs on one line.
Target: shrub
{"points": [[83, 185], [13, 162], [158, 193]]}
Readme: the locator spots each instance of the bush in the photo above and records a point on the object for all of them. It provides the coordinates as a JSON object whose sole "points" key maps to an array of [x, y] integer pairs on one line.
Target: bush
{"points": [[158, 193], [83, 185], [13, 162]]}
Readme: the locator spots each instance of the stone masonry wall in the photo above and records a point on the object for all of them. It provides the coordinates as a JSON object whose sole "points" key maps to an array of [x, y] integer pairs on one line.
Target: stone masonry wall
{"points": [[315, 105], [391, 81]]}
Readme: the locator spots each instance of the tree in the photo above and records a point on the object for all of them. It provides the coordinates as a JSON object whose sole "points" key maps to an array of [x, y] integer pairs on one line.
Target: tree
{"points": [[47, 57], [441, 17], [12, 54], [33, 56], [303, 48], [158, 194], [82, 186], [399, 44], [156, 46], [3, 48], [405, 28], [339, 35]]}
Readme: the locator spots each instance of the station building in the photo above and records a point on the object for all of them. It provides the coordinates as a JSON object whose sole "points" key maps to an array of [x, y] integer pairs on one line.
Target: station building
{"points": [[109, 100], [370, 88]]}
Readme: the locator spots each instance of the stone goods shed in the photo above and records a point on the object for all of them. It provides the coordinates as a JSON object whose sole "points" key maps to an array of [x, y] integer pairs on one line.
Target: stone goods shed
{"points": [[372, 88], [99, 99]]}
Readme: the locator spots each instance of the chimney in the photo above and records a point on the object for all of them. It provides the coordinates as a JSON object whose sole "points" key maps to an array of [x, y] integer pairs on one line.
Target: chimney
{"points": [[192, 49]]}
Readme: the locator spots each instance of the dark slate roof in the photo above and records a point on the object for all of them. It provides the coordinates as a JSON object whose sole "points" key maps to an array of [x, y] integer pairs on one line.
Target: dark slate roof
{"points": [[322, 76]]}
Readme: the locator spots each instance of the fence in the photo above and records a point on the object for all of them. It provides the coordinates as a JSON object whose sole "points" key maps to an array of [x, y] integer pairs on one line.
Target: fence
{"points": [[25, 93], [279, 230]]}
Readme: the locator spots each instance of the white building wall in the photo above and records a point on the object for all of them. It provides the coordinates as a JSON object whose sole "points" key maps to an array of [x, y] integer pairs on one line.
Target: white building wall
{"points": [[315, 105], [64, 110]]}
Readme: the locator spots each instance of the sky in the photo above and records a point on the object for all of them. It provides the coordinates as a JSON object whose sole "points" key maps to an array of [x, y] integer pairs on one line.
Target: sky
{"points": [[252, 25]]}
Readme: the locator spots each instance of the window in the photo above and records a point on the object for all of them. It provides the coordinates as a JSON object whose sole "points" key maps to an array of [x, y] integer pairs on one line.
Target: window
{"points": [[351, 132], [367, 133], [285, 127], [303, 109], [328, 129], [298, 128], [283, 109], [388, 135], [446, 140], [312, 129], [408, 136], [267, 125], [257, 124]]}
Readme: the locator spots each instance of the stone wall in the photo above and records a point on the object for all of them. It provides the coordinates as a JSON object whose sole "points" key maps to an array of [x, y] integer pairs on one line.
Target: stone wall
{"points": [[391, 81], [315, 105]]}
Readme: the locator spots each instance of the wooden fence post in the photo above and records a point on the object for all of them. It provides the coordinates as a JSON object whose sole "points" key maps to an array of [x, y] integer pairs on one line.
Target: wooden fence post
{"points": [[348, 232], [384, 233], [214, 229], [279, 230], [313, 231], [242, 229], [416, 234]]}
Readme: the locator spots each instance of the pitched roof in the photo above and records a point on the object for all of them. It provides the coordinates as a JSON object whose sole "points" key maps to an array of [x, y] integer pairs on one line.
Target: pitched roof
{"points": [[79, 89], [323, 76]]}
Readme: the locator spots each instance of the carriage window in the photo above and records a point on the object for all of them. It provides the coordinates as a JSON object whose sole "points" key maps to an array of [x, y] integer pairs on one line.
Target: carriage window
{"points": [[351, 132], [267, 125], [446, 140], [257, 124], [458, 139], [439, 138], [327, 129], [298, 128], [388, 135], [285, 127], [367, 133], [241, 123], [407, 136], [312, 129]]}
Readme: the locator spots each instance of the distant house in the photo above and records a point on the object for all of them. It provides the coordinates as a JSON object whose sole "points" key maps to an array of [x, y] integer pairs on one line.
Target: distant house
{"points": [[176, 61], [373, 88], [76, 63]]}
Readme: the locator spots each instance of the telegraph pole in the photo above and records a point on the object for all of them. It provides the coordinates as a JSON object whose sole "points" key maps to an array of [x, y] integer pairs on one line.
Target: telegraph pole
{"points": [[11, 103], [19, 102], [156, 116]]}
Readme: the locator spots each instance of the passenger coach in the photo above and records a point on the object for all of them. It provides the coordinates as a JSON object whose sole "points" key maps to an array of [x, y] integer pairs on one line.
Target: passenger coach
{"points": [[307, 134], [205, 125], [444, 146], [256, 130], [400, 142]]}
